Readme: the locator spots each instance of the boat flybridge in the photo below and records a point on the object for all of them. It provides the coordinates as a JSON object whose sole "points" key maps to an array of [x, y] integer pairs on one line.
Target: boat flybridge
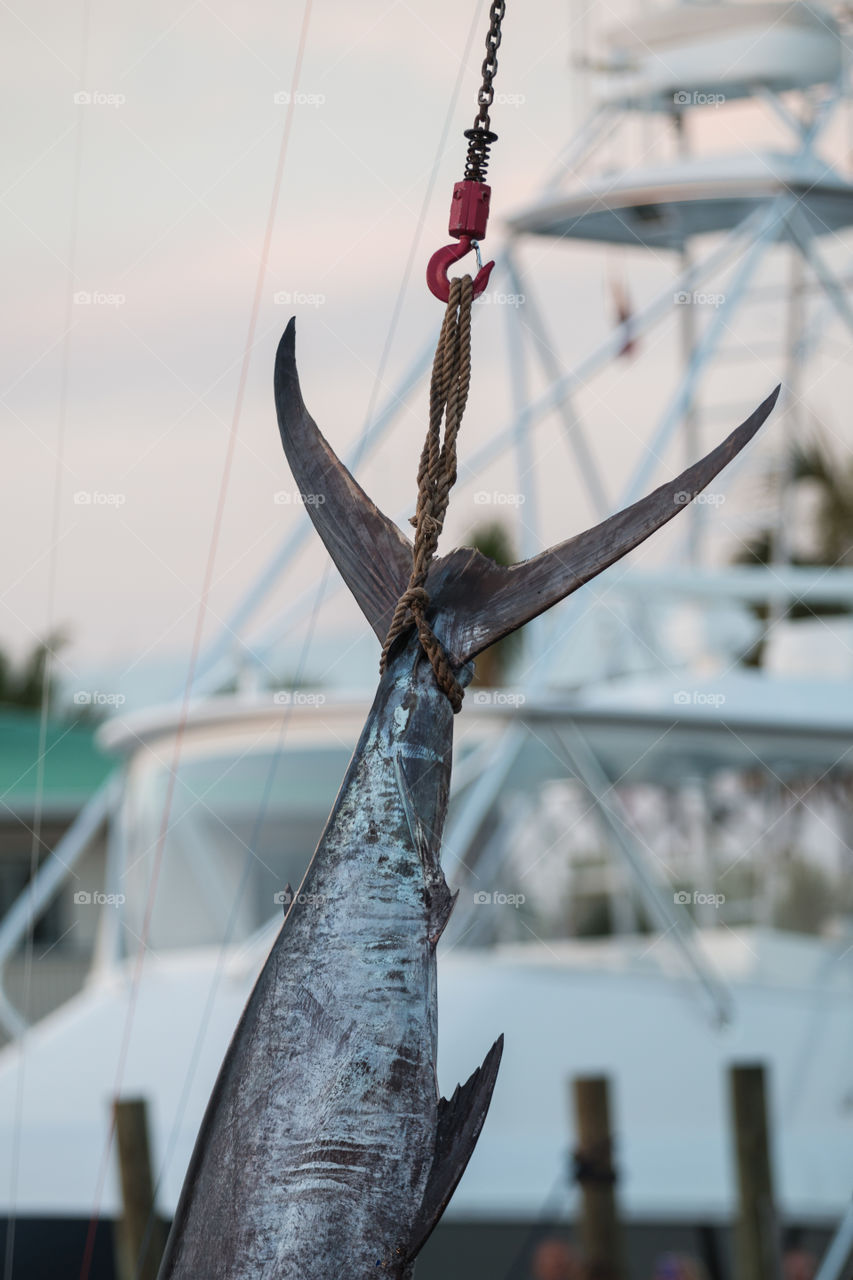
{"points": [[650, 832]]}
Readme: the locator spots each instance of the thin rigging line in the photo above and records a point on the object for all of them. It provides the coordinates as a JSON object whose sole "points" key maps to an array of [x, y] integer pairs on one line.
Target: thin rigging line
{"points": [[254, 840], [267, 794], [199, 628], [47, 669], [545, 1218], [425, 203]]}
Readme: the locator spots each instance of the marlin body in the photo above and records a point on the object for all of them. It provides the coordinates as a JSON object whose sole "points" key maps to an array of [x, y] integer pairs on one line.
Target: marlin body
{"points": [[326, 1150], [319, 1144]]}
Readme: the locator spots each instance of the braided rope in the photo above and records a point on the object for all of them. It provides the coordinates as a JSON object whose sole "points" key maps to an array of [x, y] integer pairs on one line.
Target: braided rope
{"points": [[451, 377]]}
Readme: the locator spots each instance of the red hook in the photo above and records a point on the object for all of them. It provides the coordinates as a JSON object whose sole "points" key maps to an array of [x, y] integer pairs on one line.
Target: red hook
{"points": [[441, 260]]}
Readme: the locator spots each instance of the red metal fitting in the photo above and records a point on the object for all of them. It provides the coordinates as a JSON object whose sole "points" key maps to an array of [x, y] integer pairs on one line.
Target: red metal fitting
{"points": [[469, 209], [436, 272], [469, 214]]}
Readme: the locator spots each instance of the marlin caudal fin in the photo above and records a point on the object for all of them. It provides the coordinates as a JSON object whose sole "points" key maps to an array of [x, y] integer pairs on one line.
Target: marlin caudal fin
{"points": [[481, 602], [460, 1121], [474, 601], [373, 556]]}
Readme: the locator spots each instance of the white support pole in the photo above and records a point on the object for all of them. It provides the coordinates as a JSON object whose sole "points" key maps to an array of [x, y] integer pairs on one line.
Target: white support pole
{"points": [[782, 111], [694, 515], [694, 799], [575, 435], [753, 584], [791, 417], [581, 758], [47, 883], [805, 239], [110, 927], [592, 135], [838, 1255], [517, 364], [532, 635], [807, 131], [659, 308], [466, 822], [772, 220]]}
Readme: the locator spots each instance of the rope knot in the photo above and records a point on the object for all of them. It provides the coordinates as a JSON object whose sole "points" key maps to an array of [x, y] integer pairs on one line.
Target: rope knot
{"points": [[451, 376], [429, 528], [415, 599]]}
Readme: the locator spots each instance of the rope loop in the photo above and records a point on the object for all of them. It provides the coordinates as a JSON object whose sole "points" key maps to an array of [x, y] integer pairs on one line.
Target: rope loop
{"points": [[451, 378]]}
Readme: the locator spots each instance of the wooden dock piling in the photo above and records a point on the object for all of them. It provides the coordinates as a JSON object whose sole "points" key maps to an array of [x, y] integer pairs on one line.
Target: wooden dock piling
{"points": [[600, 1229], [757, 1245], [140, 1236]]}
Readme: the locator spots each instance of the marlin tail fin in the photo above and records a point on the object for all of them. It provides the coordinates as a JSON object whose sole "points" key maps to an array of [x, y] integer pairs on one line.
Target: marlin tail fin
{"points": [[474, 601], [373, 556]]}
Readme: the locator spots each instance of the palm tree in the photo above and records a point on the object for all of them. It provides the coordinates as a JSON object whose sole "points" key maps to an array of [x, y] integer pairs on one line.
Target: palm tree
{"points": [[834, 521], [832, 479], [24, 685], [495, 541], [813, 464]]}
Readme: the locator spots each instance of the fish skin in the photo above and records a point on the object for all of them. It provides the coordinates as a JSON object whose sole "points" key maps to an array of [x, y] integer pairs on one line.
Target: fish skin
{"points": [[318, 1140], [325, 1149]]}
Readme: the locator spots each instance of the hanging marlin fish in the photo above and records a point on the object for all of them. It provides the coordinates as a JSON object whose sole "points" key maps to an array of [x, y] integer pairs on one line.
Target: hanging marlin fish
{"points": [[326, 1149]]}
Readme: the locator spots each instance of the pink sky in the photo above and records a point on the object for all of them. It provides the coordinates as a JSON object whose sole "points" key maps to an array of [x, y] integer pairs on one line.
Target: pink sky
{"points": [[175, 185]]}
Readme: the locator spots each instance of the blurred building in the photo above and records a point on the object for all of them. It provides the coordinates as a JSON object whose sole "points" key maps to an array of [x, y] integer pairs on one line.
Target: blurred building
{"points": [[40, 802]]}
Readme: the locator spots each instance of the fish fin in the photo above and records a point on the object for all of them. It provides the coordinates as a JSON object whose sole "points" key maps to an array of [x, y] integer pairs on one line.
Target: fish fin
{"points": [[441, 900], [441, 908], [416, 830], [460, 1120], [479, 602], [474, 602], [373, 556]]}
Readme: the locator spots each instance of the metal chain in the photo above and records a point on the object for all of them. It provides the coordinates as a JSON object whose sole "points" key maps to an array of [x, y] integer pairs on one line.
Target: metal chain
{"points": [[490, 64], [480, 137]]}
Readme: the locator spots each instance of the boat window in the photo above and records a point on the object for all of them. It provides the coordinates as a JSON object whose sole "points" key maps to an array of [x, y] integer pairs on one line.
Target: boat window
{"points": [[240, 828]]}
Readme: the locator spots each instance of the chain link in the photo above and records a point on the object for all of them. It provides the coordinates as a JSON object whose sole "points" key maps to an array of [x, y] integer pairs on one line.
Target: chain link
{"points": [[481, 137], [490, 65]]}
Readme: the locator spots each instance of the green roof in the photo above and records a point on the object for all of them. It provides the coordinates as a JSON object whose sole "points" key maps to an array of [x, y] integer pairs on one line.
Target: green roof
{"points": [[74, 766]]}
